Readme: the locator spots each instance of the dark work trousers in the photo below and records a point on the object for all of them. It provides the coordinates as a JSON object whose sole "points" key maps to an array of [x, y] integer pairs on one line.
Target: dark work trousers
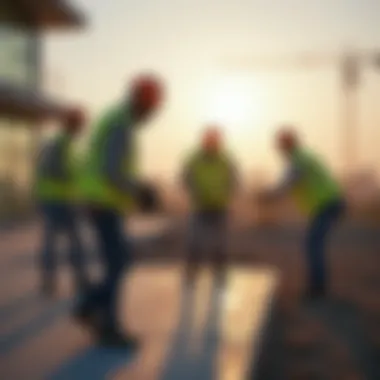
{"points": [[61, 219], [207, 240], [318, 233], [115, 251]]}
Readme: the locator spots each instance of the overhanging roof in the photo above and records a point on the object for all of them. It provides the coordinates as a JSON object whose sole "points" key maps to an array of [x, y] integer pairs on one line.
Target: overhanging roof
{"points": [[48, 14], [28, 104]]}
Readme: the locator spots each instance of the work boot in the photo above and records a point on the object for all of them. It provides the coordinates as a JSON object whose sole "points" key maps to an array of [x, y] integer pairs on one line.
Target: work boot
{"points": [[87, 317], [109, 337]]}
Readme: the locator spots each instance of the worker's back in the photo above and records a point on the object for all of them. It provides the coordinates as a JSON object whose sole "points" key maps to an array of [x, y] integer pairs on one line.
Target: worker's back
{"points": [[93, 183], [317, 187]]}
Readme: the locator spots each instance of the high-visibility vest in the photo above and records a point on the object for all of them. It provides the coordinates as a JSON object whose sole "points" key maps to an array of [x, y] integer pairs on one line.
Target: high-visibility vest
{"points": [[47, 187], [211, 181], [317, 187], [94, 186]]}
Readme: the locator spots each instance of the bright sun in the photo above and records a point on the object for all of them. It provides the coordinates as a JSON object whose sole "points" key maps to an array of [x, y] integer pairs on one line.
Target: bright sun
{"points": [[232, 104]]}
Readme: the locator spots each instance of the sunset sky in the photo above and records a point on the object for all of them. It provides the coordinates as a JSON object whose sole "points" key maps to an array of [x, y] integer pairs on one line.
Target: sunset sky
{"points": [[186, 41]]}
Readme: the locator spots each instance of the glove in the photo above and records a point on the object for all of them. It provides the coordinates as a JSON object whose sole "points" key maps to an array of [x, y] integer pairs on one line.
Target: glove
{"points": [[147, 198]]}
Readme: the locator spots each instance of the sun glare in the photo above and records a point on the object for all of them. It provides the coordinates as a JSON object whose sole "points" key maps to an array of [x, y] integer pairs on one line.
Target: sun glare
{"points": [[232, 104]]}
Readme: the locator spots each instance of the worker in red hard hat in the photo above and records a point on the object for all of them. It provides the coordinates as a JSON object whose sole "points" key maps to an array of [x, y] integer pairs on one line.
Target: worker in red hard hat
{"points": [[110, 188], [55, 191], [287, 140], [210, 178], [74, 120], [317, 194]]}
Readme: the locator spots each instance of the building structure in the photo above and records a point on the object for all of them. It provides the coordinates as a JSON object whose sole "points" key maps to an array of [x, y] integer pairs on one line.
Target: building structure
{"points": [[23, 24]]}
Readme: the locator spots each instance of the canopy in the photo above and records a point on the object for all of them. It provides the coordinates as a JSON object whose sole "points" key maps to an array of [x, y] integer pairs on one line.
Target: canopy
{"points": [[26, 103]]}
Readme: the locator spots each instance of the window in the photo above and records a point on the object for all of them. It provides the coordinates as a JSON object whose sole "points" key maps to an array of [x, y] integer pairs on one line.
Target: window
{"points": [[17, 57]]}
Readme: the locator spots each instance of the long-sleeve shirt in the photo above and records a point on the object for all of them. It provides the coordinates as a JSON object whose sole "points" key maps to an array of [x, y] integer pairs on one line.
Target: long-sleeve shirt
{"points": [[291, 177], [118, 146]]}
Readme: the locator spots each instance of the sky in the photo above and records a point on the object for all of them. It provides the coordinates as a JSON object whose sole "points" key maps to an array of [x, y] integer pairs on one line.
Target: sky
{"points": [[188, 42]]}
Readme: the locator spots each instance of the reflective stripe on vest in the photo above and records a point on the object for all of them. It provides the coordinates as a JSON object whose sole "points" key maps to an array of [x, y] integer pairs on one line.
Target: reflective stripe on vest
{"points": [[93, 186], [211, 178], [317, 187]]}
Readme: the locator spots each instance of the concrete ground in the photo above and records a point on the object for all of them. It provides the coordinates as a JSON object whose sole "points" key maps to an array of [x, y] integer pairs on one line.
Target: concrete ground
{"points": [[332, 339], [209, 333]]}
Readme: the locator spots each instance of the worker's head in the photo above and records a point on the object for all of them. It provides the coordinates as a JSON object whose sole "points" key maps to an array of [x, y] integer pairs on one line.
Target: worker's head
{"points": [[145, 96], [286, 140], [73, 120], [212, 140]]}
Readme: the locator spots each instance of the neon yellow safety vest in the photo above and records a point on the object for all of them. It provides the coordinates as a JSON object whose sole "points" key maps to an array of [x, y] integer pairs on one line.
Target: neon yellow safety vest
{"points": [[317, 187], [210, 179], [94, 187], [48, 188]]}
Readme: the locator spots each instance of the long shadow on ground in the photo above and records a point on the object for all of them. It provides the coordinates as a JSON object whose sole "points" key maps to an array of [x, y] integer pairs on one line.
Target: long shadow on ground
{"points": [[341, 319], [184, 364]]}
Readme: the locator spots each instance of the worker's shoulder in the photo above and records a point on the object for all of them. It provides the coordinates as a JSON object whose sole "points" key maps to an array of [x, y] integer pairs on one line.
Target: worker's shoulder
{"points": [[228, 159], [229, 156], [55, 141], [116, 114], [190, 156], [108, 114], [306, 156]]}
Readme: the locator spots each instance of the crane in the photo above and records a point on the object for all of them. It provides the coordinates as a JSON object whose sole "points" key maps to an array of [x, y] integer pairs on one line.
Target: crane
{"points": [[350, 64]]}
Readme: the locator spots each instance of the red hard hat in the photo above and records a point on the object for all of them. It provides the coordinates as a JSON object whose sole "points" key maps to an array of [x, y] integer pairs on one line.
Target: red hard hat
{"points": [[287, 136], [75, 117], [147, 90]]}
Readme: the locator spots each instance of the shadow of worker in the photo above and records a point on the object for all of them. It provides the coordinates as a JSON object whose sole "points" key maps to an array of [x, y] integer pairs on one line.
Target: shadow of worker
{"points": [[94, 363], [184, 364], [206, 363]]}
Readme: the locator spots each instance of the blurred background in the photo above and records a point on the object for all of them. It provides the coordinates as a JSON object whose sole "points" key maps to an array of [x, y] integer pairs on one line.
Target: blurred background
{"points": [[247, 65]]}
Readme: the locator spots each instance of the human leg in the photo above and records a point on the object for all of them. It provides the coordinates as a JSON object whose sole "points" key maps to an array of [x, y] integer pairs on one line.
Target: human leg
{"points": [[316, 241], [48, 255]]}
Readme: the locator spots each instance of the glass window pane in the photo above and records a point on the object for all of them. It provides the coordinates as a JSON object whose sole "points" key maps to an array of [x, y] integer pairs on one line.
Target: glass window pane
{"points": [[15, 59]]}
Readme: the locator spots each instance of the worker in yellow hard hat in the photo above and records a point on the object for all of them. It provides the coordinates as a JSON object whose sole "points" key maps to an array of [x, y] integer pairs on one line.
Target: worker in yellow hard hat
{"points": [[55, 194], [110, 187], [318, 195], [210, 178]]}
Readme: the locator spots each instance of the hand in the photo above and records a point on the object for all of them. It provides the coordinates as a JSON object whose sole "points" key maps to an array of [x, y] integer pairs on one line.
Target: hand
{"points": [[147, 198]]}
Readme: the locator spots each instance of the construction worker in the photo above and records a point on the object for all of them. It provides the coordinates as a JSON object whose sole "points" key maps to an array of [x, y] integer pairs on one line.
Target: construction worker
{"points": [[55, 192], [109, 186], [318, 196], [209, 176]]}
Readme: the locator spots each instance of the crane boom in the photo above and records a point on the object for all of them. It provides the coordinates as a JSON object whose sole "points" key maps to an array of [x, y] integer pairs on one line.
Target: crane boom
{"points": [[302, 60], [349, 64]]}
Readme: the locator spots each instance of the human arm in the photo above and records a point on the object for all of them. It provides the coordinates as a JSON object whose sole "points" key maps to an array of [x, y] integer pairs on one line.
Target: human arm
{"points": [[234, 176], [292, 176], [117, 148]]}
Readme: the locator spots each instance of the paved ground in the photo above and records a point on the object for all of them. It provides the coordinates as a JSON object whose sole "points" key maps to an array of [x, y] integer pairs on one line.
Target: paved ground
{"points": [[329, 340], [208, 334], [334, 339]]}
